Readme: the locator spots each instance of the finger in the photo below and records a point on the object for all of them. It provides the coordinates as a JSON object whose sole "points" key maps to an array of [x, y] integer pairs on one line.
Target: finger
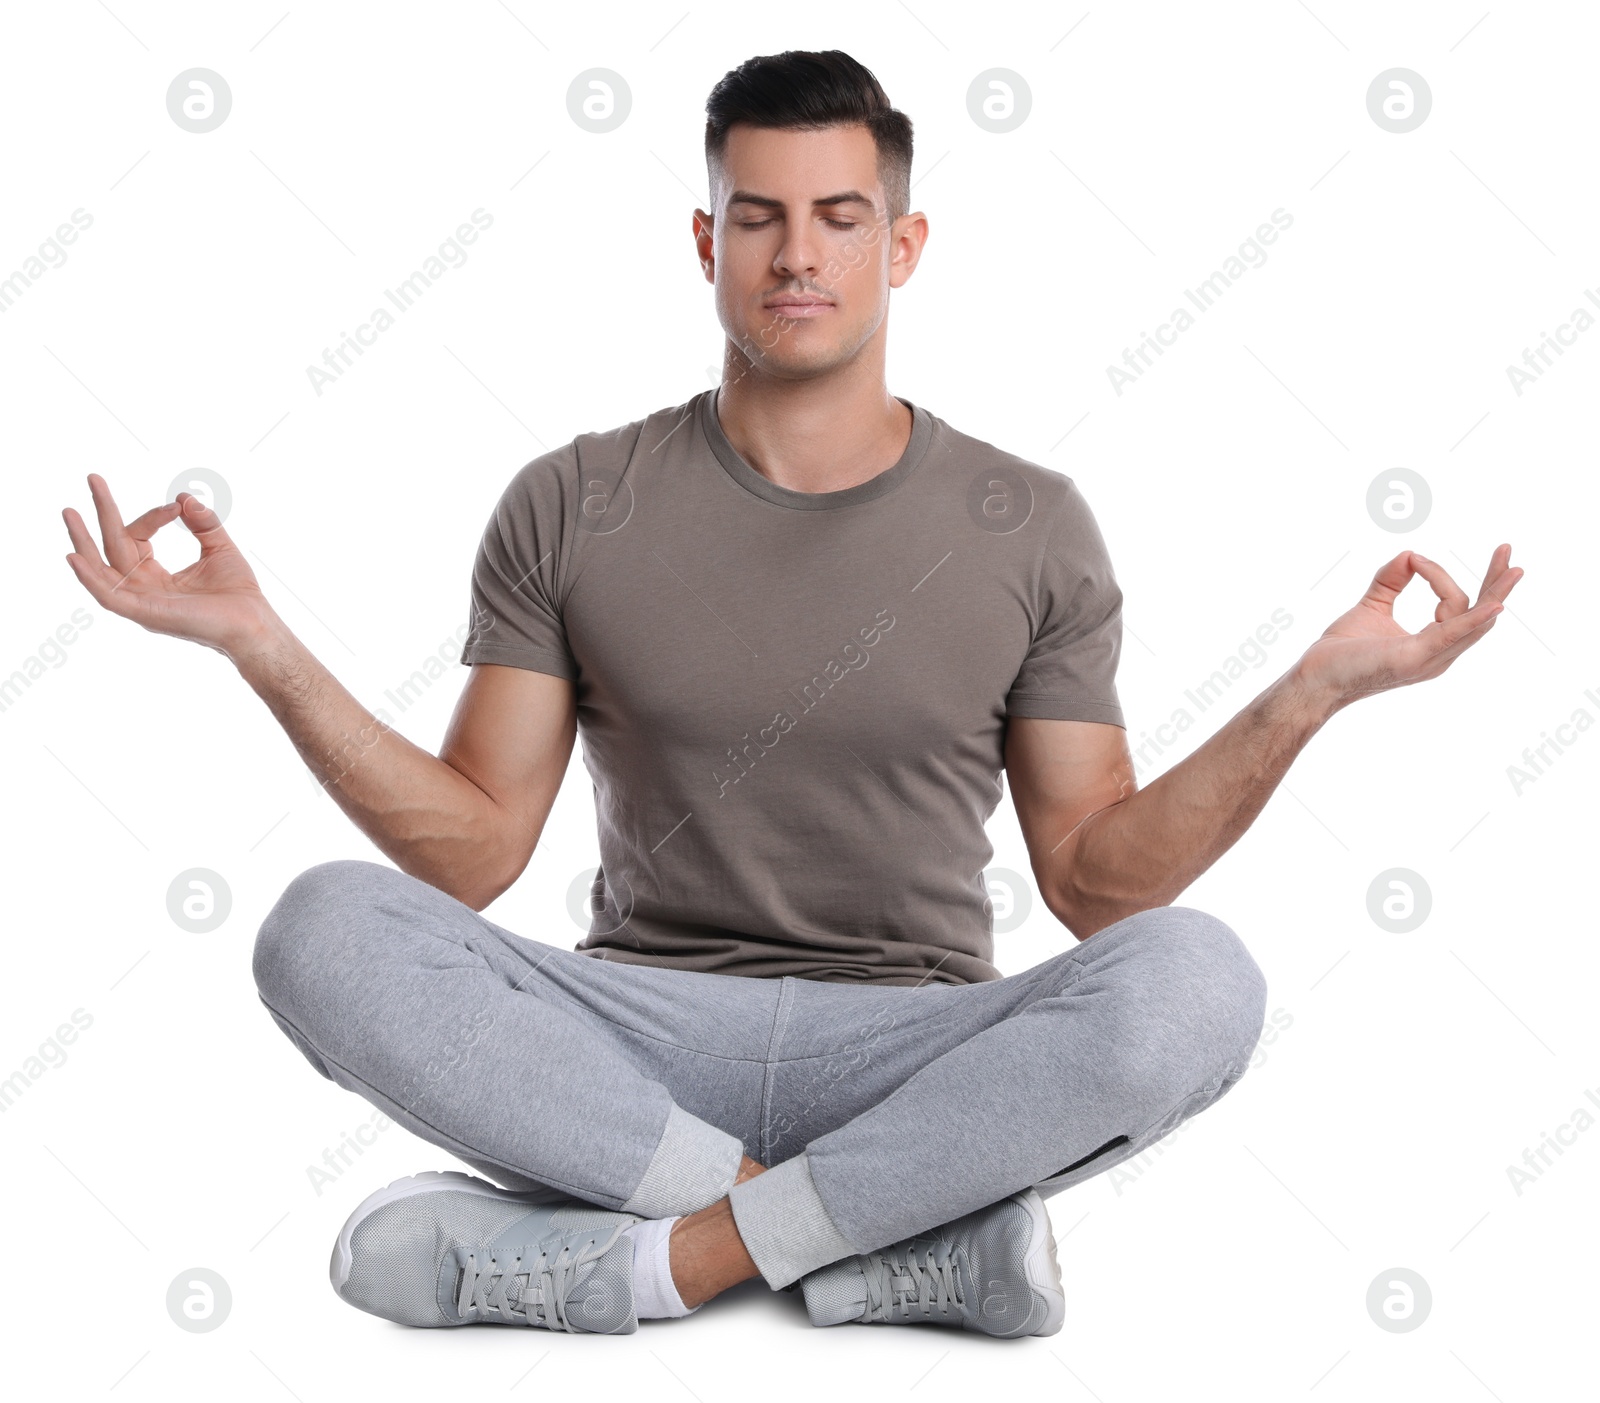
{"points": [[1386, 585], [203, 523], [82, 541], [101, 581], [146, 526], [1440, 637], [1452, 598], [85, 546], [121, 552], [1502, 575], [99, 578], [1505, 583], [1440, 661], [1497, 567], [1430, 652]]}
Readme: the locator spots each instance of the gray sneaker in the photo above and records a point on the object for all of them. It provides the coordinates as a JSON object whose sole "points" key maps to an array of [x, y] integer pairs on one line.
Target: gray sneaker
{"points": [[444, 1248], [994, 1271]]}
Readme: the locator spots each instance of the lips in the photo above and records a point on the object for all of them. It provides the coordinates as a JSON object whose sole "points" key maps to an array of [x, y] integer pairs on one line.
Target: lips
{"points": [[799, 306]]}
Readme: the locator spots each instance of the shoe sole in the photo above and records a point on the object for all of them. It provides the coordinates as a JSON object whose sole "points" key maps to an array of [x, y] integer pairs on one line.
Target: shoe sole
{"points": [[1044, 1271], [431, 1181]]}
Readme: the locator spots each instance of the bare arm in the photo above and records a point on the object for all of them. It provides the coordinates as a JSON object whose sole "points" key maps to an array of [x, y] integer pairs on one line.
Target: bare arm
{"points": [[1102, 849], [465, 821], [1142, 848]]}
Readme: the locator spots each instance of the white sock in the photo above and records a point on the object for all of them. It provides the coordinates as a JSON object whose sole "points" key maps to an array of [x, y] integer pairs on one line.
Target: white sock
{"points": [[655, 1296]]}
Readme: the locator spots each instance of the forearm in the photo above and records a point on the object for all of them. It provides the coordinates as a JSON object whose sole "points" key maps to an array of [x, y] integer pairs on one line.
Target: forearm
{"points": [[1146, 849], [428, 818]]}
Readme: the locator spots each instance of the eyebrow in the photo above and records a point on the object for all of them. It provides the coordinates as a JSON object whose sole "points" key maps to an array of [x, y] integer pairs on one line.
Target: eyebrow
{"points": [[844, 197]]}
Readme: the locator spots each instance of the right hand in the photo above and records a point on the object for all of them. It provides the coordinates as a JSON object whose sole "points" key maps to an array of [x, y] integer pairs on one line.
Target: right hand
{"points": [[215, 602]]}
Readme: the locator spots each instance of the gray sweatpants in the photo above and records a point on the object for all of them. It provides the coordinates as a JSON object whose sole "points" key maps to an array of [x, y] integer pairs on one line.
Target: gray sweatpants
{"points": [[882, 1111]]}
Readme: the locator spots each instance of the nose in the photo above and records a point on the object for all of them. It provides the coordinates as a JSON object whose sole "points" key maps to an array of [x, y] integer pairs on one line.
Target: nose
{"points": [[797, 255]]}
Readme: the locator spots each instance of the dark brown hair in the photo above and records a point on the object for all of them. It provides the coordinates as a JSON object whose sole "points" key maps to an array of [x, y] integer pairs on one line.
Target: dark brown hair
{"points": [[802, 91]]}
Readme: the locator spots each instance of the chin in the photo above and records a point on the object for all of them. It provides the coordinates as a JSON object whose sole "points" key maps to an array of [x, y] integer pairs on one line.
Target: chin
{"points": [[805, 368], [793, 357]]}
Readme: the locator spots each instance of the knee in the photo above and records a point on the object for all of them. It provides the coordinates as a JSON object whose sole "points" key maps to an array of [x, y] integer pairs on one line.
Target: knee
{"points": [[300, 943], [1198, 979]]}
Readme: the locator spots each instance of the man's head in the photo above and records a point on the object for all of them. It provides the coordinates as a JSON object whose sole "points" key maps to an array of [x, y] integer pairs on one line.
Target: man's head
{"points": [[810, 175]]}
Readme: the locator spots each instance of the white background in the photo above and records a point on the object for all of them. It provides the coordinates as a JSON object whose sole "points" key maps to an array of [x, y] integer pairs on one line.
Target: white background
{"points": [[1230, 481]]}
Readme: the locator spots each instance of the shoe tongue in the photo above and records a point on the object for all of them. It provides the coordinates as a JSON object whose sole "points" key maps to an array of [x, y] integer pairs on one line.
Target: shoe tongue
{"points": [[836, 1293]]}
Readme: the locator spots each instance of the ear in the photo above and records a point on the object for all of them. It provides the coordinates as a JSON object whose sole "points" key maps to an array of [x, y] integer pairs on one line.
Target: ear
{"points": [[907, 235], [704, 226]]}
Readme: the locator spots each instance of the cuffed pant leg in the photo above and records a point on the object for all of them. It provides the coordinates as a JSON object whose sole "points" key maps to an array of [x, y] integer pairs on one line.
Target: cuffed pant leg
{"points": [[784, 1224], [1142, 1025], [694, 1165]]}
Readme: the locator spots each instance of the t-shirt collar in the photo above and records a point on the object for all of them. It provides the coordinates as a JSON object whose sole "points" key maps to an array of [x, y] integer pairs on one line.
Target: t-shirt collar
{"points": [[752, 481]]}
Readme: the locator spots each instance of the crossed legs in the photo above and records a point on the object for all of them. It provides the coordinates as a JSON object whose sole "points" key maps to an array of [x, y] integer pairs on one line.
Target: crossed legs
{"points": [[787, 1123]]}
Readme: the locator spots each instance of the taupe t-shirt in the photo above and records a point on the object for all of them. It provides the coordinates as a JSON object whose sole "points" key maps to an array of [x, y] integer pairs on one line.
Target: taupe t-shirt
{"points": [[793, 705]]}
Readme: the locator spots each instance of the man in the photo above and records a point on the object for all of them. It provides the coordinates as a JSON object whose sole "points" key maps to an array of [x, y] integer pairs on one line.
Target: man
{"points": [[803, 624]]}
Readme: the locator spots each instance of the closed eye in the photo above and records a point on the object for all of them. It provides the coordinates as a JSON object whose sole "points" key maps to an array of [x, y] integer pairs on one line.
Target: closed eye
{"points": [[762, 223]]}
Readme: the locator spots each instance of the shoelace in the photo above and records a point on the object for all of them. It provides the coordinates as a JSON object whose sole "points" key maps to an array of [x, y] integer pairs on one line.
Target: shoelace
{"points": [[543, 1300], [900, 1286]]}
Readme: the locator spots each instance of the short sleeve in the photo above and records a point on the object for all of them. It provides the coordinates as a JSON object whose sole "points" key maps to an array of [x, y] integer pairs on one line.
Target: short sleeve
{"points": [[515, 615], [1069, 673]]}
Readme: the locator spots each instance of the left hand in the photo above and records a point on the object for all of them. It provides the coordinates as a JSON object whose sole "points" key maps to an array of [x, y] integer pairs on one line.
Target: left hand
{"points": [[1366, 651]]}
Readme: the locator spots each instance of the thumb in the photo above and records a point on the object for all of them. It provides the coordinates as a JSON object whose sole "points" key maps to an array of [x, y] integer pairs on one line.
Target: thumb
{"points": [[203, 524], [1392, 577]]}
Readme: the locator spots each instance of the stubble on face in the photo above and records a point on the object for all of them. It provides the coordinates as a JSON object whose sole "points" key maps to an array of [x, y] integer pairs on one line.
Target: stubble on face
{"points": [[801, 214]]}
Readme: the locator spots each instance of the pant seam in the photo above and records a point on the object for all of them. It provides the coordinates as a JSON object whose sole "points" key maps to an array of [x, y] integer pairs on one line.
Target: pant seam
{"points": [[780, 1021]]}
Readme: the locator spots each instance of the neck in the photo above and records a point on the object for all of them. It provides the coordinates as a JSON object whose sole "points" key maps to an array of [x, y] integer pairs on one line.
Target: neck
{"points": [[818, 435]]}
